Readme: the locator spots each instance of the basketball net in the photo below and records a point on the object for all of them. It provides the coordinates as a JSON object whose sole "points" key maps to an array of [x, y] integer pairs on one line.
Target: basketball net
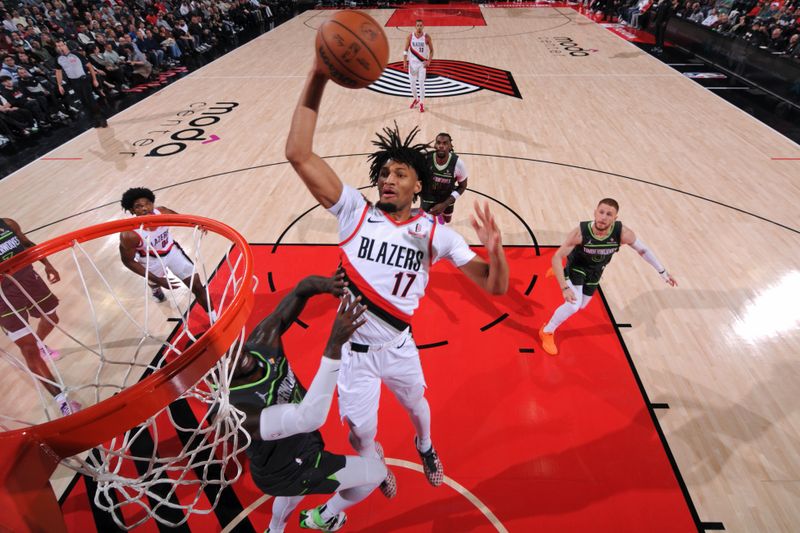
{"points": [[137, 477]]}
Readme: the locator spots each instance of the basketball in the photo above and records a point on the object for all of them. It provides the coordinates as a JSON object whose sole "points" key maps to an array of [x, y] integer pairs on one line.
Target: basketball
{"points": [[352, 48]]}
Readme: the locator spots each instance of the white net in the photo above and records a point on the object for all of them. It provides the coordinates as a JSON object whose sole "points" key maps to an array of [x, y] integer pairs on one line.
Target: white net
{"points": [[110, 332]]}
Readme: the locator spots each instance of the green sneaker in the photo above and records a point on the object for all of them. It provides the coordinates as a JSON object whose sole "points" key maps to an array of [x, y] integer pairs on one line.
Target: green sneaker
{"points": [[311, 519]]}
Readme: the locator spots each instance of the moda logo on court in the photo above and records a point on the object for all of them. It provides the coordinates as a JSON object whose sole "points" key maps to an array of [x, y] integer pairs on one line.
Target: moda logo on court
{"points": [[565, 46], [447, 78], [173, 135]]}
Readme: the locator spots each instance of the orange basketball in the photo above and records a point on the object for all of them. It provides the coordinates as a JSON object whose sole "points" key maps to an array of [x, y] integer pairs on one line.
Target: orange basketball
{"points": [[352, 48]]}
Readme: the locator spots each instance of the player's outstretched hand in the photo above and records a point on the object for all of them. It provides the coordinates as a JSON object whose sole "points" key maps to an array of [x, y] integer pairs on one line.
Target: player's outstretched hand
{"points": [[666, 276], [334, 285], [348, 319], [52, 274], [484, 225]]}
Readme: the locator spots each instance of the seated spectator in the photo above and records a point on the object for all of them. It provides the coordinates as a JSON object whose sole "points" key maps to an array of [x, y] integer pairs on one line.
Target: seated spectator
{"points": [[778, 41], [113, 73], [723, 24], [9, 68], [756, 36], [142, 69], [34, 87], [151, 47], [14, 96], [20, 121], [711, 19], [168, 44]]}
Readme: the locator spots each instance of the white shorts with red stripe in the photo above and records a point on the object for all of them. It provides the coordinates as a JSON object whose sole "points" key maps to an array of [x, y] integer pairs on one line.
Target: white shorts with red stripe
{"points": [[175, 261]]}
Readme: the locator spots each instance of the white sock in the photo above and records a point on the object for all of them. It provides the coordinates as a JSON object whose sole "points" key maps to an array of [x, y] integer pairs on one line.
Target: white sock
{"points": [[61, 397], [212, 316], [282, 507], [565, 310]]}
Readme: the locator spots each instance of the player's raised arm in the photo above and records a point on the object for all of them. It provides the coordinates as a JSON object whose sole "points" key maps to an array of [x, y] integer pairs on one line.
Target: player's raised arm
{"points": [[319, 177], [293, 304], [491, 276]]}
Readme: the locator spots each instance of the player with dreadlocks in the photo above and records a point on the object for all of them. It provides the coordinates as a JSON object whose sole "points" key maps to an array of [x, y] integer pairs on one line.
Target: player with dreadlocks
{"points": [[387, 250]]}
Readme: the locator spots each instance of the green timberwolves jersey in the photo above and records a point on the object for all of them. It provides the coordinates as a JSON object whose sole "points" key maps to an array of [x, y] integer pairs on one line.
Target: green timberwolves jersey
{"points": [[10, 245], [273, 462], [594, 252], [443, 180]]}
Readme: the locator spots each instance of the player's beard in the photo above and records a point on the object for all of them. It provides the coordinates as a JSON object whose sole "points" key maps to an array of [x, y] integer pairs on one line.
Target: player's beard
{"points": [[387, 207]]}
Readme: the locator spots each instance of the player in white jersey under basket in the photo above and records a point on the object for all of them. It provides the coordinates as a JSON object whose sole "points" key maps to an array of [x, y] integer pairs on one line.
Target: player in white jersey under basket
{"points": [[151, 251]]}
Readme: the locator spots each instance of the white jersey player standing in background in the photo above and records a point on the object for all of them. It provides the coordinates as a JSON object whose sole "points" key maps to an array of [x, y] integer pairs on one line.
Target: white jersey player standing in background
{"points": [[387, 250], [417, 56], [151, 251]]}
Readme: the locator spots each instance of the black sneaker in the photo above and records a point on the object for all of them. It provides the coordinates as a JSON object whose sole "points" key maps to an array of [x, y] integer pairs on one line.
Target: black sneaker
{"points": [[431, 465], [158, 294]]}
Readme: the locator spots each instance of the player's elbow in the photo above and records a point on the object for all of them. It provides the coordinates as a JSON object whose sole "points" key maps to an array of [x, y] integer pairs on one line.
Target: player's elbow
{"points": [[296, 153], [499, 289]]}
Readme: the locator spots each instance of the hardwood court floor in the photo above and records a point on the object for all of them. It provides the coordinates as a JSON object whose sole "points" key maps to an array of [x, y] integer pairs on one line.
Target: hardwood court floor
{"points": [[695, 178]]}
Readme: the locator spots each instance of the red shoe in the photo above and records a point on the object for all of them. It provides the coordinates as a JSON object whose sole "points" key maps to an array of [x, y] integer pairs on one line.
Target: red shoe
{"points": [[414, 104], [421, 108]]}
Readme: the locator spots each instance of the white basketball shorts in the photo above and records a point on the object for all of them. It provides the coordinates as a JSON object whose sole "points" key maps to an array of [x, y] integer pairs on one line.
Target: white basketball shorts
{"points": [[395, 363]]}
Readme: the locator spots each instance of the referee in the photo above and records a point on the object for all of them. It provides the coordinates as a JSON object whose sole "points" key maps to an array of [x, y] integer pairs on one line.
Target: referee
{"points": [[75, 68]]}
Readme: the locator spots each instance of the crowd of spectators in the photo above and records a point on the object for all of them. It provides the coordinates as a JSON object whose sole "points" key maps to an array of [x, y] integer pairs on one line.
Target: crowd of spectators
{"points": [[122, 46], [771, 25]]}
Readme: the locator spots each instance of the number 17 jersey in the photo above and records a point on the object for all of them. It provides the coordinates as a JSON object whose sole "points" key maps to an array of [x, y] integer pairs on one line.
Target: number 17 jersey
{"points": [[388, 263]]}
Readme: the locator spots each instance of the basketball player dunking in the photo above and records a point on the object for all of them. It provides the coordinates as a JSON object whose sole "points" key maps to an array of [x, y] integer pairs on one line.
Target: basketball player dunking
{"points": [[150, 252], [387, 250], [589, 249], [417, 56]]}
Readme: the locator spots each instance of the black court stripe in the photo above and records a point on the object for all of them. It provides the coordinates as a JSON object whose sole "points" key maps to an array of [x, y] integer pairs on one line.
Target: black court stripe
{"points": [[494, 322], [229, 506], [526, 350], [712, 526], [301, 323], [431, 345], [653, 418], [142, 447], [103, 521], [532, 283]]}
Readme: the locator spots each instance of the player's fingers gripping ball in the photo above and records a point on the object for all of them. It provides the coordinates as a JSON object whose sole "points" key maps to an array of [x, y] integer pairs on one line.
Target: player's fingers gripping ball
{"points": [[352, 49]]}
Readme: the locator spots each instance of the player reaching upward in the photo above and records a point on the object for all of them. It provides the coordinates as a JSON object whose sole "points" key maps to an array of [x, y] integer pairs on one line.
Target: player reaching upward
{"points": [[135, 247], [287, 455], [387, 250], [588, 249], [417, 56], [16, 305]]}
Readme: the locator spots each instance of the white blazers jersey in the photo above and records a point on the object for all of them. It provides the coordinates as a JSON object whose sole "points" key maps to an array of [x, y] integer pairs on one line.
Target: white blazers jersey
{"points": [[159, 239], [387, 262], [418, 48]]}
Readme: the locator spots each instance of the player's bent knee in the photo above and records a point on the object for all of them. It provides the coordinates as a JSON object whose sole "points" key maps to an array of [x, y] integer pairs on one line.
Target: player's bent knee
{"points": [[410, 397]]}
